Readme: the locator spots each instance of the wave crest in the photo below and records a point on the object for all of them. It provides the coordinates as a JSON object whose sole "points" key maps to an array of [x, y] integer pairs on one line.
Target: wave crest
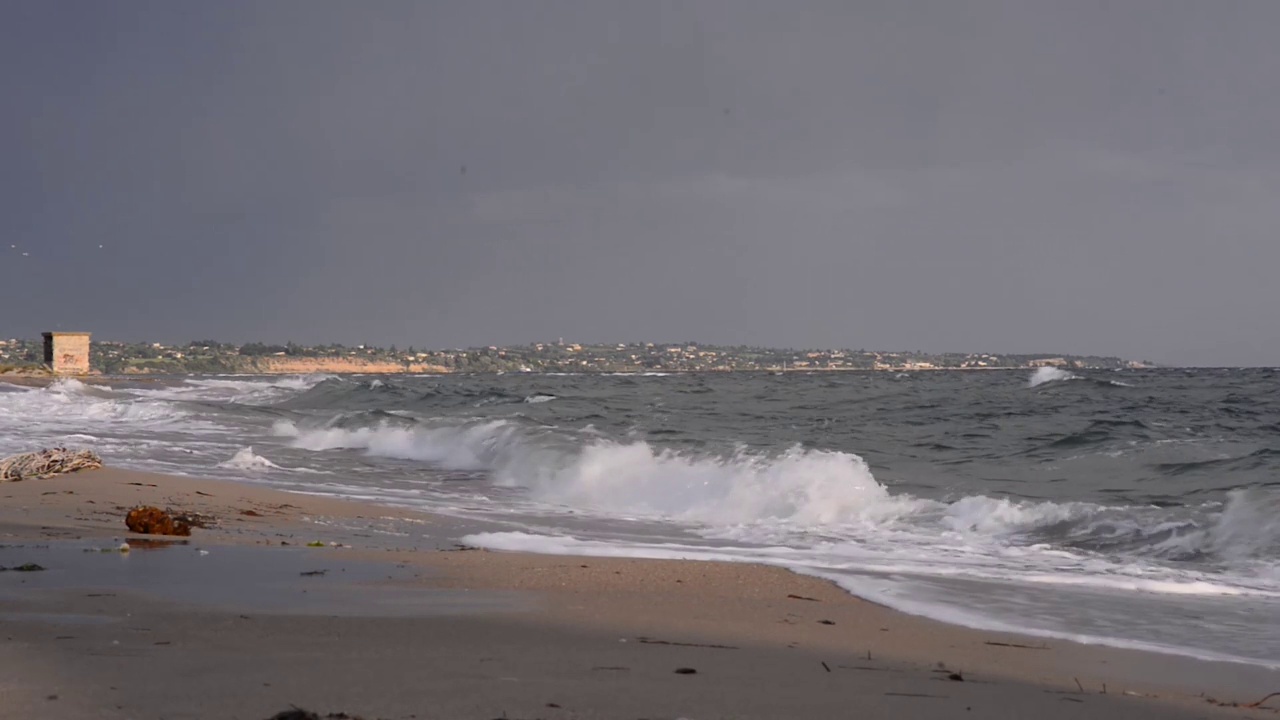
{"points": [[1049, 374], [1248, 528], [74, 404], [808, 487], [786, 496], [246, 459]]}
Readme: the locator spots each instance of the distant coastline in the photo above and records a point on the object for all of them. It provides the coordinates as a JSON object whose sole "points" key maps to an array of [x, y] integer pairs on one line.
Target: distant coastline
{"points": [[24, 372], [19, 357]]}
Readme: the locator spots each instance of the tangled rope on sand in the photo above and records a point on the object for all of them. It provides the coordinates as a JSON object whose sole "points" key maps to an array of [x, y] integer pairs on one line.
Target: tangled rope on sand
{"points": [[47, 463]]}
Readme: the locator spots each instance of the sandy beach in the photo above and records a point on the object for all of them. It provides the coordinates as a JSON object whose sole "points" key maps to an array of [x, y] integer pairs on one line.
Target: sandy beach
{"points": [[388, 618]]}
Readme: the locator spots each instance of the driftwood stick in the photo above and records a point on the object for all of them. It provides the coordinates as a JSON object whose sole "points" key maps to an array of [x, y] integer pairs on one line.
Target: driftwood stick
{"points": [[1259, 703]]}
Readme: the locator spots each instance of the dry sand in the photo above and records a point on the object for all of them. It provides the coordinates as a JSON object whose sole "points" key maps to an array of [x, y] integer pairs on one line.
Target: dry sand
{"points": [[399, 626]]}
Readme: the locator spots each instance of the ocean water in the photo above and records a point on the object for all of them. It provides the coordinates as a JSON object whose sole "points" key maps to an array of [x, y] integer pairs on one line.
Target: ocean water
{"points": [[1136, 508]]}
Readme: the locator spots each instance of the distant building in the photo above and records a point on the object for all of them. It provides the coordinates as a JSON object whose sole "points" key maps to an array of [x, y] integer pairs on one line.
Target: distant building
{"points": [[67, 353]]}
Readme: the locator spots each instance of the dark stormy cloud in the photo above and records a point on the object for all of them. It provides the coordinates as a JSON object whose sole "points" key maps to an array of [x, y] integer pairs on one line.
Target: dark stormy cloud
{"points": [[1071, 176]]}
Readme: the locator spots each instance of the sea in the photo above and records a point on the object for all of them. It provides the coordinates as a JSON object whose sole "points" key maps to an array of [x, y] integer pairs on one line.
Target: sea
{"points": [[1136, 508]]}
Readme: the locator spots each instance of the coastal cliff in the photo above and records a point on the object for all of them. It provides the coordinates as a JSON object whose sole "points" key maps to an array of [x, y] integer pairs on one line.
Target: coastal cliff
{"points": [[25, 371], [337, 366], [294, 366]]}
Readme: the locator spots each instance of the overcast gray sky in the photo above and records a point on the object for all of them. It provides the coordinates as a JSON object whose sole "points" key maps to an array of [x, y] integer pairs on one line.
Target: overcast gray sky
{"points": [[1074, 176]]}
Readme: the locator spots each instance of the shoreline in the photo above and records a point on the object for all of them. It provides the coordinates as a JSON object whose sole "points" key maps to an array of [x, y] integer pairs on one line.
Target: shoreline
{"points": [[694, 609], [21, 377], [977, 625]]}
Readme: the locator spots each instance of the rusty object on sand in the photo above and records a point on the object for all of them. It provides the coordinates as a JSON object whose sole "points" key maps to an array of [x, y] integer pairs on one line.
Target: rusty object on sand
{"points": [[150, 520]]}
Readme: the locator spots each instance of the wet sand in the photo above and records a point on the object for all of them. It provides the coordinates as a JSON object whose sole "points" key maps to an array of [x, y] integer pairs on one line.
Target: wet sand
{"points": [[388, 619]]}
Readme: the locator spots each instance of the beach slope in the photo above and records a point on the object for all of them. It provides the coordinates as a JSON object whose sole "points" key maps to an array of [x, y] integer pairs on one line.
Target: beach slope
{"points": [[386, 618]]}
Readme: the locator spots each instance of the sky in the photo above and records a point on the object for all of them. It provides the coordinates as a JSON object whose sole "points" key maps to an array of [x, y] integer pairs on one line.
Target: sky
{"points": [[1078, 176]]}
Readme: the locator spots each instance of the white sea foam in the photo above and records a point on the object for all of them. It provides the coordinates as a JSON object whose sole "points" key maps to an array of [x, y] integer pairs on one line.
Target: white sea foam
{"points": [[778, 497], [121, 427], [1184, 586], [455, 447], [999, 516], [807, 487], [899, 597], [813, 510], [1247, 528], [1049, 374], [886, 589], [82, 438], [78, 407], [252, 390], [626, 374], [246, 459], [535, 399]]}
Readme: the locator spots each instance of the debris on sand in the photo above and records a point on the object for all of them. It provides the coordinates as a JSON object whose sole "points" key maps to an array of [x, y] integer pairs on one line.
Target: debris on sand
{"points": [[150, 520], [29, 567], [300, 714], [195, 519], [47, 463]]}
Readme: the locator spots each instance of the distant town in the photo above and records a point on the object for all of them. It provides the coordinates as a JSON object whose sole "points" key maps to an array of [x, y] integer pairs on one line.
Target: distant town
{"points": [[207, 356]]}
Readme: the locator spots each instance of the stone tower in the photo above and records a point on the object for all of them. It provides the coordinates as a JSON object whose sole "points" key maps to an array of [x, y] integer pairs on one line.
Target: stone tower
{"points": [[67, 353]]}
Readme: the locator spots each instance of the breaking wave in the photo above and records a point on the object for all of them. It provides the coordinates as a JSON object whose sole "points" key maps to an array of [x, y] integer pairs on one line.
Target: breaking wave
{"points": [[1045, 375], [789, 495], [246, 459], [233, 388], [1080, 503], [380, 393], [1049, 374], [631, 478], [70, 402]]}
